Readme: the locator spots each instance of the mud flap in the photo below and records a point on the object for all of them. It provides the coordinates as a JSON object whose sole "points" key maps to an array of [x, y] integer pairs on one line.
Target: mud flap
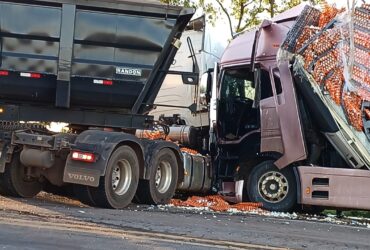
{"points": [[82, 176]]}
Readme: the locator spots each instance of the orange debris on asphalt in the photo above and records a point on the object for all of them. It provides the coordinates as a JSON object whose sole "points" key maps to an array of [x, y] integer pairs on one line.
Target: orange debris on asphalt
{"points": [[247, 206], [215, 203]]}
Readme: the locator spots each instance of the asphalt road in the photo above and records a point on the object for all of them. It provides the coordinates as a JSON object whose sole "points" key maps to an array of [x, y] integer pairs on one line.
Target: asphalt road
{"points": [[48, 223]]}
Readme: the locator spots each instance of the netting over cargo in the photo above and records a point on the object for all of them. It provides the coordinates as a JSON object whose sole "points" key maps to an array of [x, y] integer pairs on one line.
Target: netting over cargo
{"points": [[335, 47]]}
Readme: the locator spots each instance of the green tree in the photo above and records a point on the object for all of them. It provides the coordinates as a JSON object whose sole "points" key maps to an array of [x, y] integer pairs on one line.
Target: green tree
{"points": [[241, 14], [186, 3]]}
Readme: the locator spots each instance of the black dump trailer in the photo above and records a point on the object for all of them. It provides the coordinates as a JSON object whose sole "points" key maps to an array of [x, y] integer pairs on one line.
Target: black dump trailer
{"points": [[98, 66]]}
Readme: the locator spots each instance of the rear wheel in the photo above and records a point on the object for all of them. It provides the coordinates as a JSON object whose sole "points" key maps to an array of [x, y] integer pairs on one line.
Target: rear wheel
{"points": [[14, 182], [161, 186], [118, 187], [275, 188]]}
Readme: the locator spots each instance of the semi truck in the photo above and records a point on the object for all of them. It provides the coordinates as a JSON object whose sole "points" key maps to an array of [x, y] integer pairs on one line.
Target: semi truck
{"points": [[98, 66]]}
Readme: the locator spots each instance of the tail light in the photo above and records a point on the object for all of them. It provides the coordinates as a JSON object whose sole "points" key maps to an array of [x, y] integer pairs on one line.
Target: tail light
{"points": [[83, 156], [4, 73], [30, 75], [103, 82]]}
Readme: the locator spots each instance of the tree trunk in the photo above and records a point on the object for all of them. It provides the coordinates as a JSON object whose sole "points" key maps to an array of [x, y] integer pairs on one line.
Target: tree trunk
{"points": [[272, 11]]}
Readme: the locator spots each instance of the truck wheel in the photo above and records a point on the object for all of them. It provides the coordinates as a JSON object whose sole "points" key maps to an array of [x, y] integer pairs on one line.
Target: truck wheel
{"points": [[13, 181], [275, 188], [118, 187], [161, 186]]}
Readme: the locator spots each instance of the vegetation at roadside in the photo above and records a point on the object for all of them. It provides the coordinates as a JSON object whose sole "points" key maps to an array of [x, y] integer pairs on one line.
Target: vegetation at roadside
{"points": [[350, 213]]}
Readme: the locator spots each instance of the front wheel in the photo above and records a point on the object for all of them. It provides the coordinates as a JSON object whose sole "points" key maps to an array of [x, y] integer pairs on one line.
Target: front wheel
{"points": [[118, 187], [161, 186], [275, 188]]}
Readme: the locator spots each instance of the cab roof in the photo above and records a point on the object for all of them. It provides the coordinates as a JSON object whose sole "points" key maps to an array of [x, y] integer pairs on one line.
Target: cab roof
{"points": [[273, 33]]}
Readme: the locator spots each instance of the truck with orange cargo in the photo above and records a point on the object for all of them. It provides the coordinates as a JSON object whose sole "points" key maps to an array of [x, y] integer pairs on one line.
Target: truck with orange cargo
{"points": [[289, 123]]}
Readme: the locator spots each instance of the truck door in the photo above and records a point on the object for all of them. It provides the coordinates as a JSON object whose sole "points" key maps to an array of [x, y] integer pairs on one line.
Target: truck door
{"points": [[281, 129]]}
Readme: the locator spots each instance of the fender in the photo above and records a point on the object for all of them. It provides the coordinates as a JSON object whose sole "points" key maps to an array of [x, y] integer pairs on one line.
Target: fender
{"points": [[102, 144], [152, 148]]}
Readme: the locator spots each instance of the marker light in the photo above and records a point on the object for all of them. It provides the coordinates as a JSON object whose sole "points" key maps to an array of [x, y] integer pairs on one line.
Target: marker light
{"points": [[103, 82], [30, 75]]}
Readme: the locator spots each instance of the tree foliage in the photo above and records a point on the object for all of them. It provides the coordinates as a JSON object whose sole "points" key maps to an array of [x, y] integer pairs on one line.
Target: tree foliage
{"points": [[240, 14]]}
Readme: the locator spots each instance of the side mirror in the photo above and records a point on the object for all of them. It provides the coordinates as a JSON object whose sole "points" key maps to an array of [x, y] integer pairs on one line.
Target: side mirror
{"points": [[205, 88]]}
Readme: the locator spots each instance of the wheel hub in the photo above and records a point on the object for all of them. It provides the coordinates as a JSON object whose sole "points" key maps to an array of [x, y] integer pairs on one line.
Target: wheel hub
{"points": [[163, 176], [158, 176], [273, 186], [121, 177]]}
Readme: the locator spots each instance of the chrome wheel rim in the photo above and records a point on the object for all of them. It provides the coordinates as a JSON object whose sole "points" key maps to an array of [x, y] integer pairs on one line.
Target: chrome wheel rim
{"points": [[121, 177], [163, 176], [273, 187]]}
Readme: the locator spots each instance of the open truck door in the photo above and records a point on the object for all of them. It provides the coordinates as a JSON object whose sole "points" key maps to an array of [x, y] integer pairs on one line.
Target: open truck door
{"points": [[281, 129]]}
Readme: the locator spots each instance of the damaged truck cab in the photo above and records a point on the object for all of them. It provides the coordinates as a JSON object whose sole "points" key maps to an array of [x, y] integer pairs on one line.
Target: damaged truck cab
{"points": [[258, 123], [273, 132]]}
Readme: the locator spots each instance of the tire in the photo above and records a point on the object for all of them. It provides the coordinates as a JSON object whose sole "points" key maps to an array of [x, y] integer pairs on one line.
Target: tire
{"points": [[275, 188], [123, 166], [161, 186], [83, 194], [13, 181]]}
